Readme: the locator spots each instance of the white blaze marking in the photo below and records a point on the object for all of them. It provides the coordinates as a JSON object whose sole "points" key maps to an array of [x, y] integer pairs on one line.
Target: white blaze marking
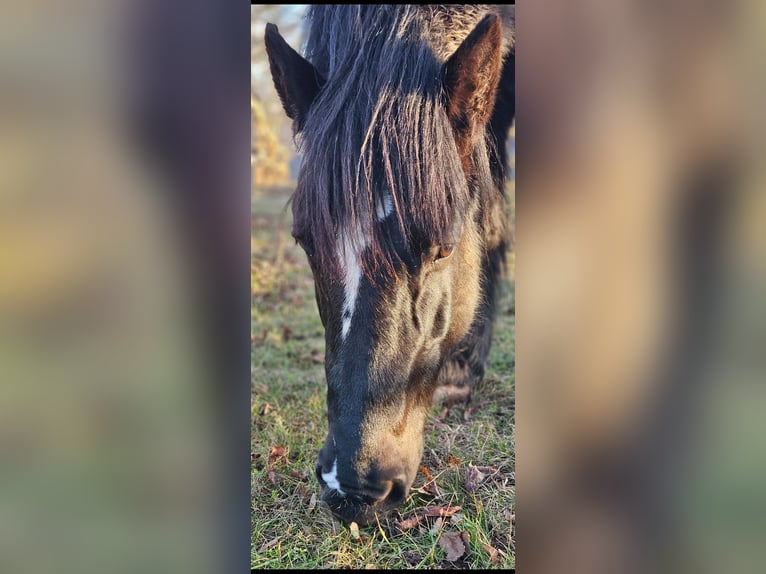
{"points": [[353, 273], [384, 208], [331, 478]]}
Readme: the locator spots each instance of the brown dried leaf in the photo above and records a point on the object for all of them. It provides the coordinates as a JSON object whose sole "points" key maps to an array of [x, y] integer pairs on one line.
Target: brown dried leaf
{"points": [[474, 475], [430, 489], [453, 460], [312, 502], [442, 510], [272, 476], [408, 523], [415, 519], [265, 409], [269, 544], [275, 453], [453, 544], [302, 475], [492, 551]]}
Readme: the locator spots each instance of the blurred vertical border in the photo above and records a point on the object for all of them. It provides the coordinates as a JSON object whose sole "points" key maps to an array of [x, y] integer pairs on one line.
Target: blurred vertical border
{"points": [[640, 281], [124, 286]]}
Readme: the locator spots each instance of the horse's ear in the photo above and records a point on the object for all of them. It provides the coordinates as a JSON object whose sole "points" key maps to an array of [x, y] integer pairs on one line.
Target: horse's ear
{"points": [[296, 80], [470, 78]]}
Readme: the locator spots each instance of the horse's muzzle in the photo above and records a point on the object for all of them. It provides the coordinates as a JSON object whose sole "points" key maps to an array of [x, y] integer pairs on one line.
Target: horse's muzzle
{"points": [[361, 505]]}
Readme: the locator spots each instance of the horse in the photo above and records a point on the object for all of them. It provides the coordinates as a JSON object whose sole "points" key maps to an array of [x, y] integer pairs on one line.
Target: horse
{"points": [[401, 113]]}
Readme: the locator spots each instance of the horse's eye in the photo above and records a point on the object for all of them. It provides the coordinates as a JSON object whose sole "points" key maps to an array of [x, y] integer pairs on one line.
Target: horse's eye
{"points": [[305, 244], [444, 252]]}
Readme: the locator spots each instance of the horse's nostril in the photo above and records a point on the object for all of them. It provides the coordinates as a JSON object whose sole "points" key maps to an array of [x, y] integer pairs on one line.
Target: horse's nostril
{"points": [[397, 493], [391, 493]]}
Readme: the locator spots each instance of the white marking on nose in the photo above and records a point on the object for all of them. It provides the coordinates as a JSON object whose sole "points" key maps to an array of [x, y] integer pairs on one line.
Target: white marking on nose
{"points": [[331, 478], [353, 273], [384, 207]]}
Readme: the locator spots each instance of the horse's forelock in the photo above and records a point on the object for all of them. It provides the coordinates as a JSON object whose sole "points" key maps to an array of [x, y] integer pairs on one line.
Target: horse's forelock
{"points": [[378, 132]]}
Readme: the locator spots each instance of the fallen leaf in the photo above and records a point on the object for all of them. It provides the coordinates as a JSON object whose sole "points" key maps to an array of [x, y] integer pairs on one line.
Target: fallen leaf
{"points": [[312, 502], [492, 551], [275, 453], [415, 519], [453, 461], [370, 567], [442, 510], [269, 544], [408, 523], [453, 544], [437, 526], [473, 476], [430, 489], [272, 476], [265, 409], [302, 475], [456, 518], [354, 529]]}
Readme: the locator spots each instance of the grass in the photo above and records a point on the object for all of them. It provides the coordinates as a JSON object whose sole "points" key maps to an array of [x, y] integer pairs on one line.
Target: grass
{"points": [[289, 527]]}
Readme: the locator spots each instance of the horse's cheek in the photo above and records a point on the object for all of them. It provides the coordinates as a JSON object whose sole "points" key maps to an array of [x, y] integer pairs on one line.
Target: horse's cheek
{"points": [[466, 290]]}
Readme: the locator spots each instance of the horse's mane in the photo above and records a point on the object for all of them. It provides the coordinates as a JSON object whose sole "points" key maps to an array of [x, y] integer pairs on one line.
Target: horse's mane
{"points": [[378, 132]]}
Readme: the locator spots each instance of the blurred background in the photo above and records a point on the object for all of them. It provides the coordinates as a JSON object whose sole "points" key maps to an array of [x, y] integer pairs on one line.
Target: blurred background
{"points": [[640, 280], [124, 302], [273, 156], [125, 221], [274, 161]]}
